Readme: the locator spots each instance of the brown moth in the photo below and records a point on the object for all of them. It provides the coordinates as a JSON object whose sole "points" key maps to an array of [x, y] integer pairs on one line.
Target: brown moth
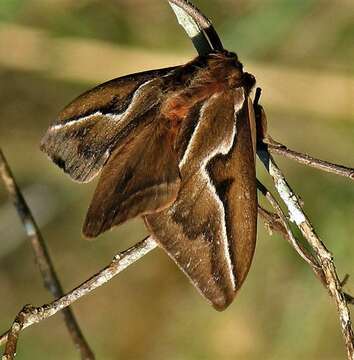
{"points": [[177, 147]]}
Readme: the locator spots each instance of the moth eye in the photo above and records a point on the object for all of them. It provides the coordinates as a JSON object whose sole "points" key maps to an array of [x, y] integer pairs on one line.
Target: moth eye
{"points": [[59, 162], [249, 80], [238, 65]]}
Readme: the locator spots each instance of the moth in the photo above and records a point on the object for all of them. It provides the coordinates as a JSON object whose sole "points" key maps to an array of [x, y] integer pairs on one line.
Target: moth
{"points": [[175, 146]]}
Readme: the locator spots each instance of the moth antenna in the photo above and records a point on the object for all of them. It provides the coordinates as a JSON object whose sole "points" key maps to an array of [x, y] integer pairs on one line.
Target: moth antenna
{"points": [[198, 27], [257, 96]]}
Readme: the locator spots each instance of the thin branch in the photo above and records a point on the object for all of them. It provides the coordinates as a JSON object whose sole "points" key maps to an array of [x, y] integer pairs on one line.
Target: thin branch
{"points": [[278, 223], [280, 149], [286, 231], [324, 257], [119, 263], [50, 279], [14, 333], [271, 221]]}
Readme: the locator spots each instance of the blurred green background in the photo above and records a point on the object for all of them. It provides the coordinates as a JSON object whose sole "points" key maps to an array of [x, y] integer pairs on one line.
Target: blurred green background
{"points": [[301, 53]]}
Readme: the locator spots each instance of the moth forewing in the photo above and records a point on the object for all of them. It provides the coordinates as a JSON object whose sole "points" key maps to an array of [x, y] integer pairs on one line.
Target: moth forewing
{"points": [[85, 133], [241, 200], [210, 230]]}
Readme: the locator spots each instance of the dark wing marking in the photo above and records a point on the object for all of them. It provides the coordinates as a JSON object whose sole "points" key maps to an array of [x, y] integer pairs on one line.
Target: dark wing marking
{"points": [[141, 177], [82, 138], [210, 230]]}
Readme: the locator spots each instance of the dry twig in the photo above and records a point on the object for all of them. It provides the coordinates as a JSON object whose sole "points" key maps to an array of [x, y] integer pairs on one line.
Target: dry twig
{"points": [[119, 263], [280, 149], [278, 222], [323, 256], [14, 333], [271, 221], [50, 279], [284, 229]]}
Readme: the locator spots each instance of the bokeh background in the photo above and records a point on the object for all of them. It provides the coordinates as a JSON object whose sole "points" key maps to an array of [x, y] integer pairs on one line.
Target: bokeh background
{"points": [[302, 55]]}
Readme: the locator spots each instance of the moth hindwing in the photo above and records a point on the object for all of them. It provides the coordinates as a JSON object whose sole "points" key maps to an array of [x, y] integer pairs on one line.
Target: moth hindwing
{"points": [[176, 147]]}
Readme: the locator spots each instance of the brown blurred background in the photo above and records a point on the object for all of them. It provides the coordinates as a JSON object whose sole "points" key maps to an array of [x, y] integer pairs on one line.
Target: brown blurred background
{"points": [[302, 55]]}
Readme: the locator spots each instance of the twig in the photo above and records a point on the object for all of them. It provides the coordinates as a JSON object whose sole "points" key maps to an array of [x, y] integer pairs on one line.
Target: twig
{"points": [[324, 257], [50, 279], [285, 229], [271, 221], [118, 264], [280, 149], [14, 333], [265, 141], [278, 222]]}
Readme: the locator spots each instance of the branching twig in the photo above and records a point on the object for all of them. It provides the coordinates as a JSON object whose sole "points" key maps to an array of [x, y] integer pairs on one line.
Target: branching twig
{"points": [[323, 256], [271, 221], [279, 223], [280, 149], [14, 333], [119, 263], [285, 229], [51, 281]]}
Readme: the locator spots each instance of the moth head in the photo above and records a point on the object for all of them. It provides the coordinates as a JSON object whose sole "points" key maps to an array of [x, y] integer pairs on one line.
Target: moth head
{"points": [[225, 66]]}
